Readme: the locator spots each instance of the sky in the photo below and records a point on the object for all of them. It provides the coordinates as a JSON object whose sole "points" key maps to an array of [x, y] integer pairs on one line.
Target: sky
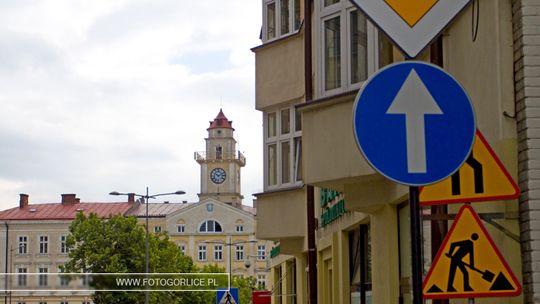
{"points": [[100, 96]]}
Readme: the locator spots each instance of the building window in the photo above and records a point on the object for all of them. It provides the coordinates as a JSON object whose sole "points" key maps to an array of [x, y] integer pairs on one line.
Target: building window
{"points": [[43, 244], [202, 253], [23, 245], [239, 252], [360, 264], [64, 302], [181, 228], [280, 18], [239, 228], [210, 226], [261, 252], [219, 152], [261, 281], [64, 280], [209, 207], [21, 277], [283, 142], [63, 244], [84, 280], [345, 58], [182, 248], [43, 278], [218, 252], [157, 229]]}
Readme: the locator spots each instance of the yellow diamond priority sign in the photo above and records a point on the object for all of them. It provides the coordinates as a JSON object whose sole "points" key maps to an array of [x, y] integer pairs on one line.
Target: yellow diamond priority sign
{"points": [[411, 24], [468, 264], [411, 13]]}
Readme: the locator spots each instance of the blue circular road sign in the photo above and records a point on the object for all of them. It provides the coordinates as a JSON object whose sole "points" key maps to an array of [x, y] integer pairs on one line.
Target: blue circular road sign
{"points": [[414, 123]]}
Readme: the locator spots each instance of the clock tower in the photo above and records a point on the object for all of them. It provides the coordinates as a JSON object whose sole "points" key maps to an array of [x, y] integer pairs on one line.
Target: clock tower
{"points": [[221, 163]]}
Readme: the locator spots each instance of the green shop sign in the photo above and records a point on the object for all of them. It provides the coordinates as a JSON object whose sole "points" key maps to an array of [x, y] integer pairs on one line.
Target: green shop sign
{"points": [[274, 252], [333, 212], [328, 196]]}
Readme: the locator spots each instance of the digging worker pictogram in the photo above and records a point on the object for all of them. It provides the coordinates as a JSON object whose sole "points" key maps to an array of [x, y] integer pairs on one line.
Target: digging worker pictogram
{"points": [[457, 253]]}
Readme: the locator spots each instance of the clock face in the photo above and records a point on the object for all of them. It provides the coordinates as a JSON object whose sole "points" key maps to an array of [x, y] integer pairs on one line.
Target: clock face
{"points": [[218, 175]]}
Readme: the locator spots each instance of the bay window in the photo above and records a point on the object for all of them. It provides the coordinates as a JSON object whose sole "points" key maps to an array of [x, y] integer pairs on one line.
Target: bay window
{"points": [[280, 18], [283, 147], [347, 47]]}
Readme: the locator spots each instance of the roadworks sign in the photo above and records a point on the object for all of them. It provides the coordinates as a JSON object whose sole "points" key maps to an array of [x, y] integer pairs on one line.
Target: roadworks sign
{"points": [[481, 178], [468, 264]]}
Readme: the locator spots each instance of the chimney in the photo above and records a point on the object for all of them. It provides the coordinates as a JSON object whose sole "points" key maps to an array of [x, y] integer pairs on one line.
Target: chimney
{"points": [[69, 199], [23, 201], [131, 198]]}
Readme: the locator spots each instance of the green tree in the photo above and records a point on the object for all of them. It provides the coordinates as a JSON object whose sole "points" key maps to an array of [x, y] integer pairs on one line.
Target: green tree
{"points": [[117, 245]]}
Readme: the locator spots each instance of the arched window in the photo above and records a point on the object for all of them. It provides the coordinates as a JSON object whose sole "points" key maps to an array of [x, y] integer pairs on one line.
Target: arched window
{"points": [[219, 152], [210, 226]]}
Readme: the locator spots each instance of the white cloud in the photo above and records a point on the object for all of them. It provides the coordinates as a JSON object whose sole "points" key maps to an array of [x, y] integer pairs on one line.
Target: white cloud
{"points": [[116, 95]]}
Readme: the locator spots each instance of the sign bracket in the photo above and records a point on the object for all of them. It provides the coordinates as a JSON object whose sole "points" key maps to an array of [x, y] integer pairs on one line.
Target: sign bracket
{"points": [[486, 217]]}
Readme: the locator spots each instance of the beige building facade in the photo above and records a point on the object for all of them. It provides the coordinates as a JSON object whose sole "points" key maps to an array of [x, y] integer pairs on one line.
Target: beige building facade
{"points": [[218, 229], [33, 238], [307, 78]]}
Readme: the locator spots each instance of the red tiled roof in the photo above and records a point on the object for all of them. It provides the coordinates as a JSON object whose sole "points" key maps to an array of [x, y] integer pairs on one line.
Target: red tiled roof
{"points": [[220, 122], [157, 209], [63, 212]]}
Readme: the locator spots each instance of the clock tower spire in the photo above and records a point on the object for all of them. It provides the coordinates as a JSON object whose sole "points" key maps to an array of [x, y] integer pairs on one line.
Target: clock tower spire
{"points": [[221, 163]]}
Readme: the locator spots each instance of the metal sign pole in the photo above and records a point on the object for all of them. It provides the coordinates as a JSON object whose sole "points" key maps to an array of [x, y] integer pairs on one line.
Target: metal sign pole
{"points": [[416, 244]]}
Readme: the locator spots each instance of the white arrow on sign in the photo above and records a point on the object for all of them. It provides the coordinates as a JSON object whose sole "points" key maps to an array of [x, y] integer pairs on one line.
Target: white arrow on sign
{"points": [[414, 101]]}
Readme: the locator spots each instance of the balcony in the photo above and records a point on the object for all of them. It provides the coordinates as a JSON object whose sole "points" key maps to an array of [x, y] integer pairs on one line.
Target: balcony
{"points": [[281, 216], [202, 157], [332, 159], [279, 73]]}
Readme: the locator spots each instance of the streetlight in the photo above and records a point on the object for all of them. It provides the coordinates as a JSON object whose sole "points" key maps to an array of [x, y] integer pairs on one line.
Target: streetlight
{"points": [[229, 244], [146, 197], [11, 250]]}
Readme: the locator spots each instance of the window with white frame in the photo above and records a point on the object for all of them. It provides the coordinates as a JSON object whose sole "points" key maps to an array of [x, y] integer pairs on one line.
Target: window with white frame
{"points": [[64, 280], [210, 226], [239, 252], [21, 276], [218, 252], [157, 229], [182, 248], [261, 281], [261, 252], [202, 253], [347, 47], [63, 244], [280, 18], [23, 244], [43, 278], [283, 148], [181, 228], [43, 244], [239, 228]]}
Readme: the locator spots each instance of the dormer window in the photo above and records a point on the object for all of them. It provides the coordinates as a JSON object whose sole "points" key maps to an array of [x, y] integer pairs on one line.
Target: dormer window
{"points": [[210, 226]]}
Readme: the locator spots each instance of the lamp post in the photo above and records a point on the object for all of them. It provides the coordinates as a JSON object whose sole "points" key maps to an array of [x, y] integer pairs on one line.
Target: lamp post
{"points": [[147, 255], [11, 250]]}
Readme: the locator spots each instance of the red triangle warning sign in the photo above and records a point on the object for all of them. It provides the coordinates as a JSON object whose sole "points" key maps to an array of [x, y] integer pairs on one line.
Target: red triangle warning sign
{"points": [[481, 178], [468, 264]]}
